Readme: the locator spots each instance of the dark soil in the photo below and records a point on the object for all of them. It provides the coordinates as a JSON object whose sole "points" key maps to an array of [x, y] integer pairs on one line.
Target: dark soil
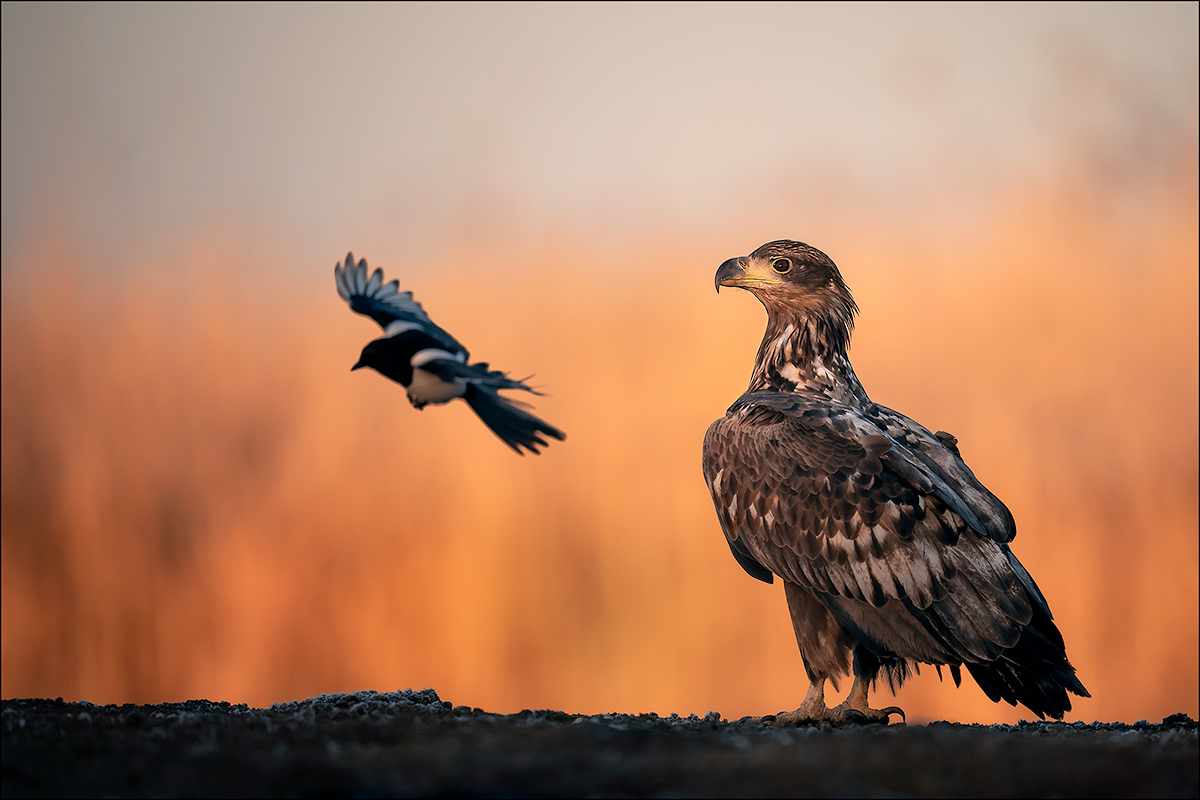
{"points": [[413, 743]]}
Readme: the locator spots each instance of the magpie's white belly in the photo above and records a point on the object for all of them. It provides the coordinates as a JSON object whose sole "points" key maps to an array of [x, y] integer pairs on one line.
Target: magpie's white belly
{"points": [[429, 388]]}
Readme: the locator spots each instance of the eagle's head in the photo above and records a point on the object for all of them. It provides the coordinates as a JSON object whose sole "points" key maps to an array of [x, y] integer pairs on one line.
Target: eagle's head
{"points": [[792, 279]]}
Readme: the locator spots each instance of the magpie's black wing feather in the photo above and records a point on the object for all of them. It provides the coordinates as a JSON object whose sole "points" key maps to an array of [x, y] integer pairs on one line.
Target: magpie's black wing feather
{"points": [[385, 303], [478, 373], [516, 427]]}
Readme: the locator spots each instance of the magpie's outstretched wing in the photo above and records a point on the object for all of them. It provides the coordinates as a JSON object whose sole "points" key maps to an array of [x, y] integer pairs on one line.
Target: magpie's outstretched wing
{"points": [[394, 310]]}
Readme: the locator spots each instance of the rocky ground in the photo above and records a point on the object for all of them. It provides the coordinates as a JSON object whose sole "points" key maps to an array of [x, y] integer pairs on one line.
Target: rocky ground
{"points": [[412, 743]]}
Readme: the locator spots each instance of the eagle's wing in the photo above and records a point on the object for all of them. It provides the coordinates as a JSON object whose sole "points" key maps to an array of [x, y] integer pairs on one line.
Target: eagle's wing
{"points": [[394, 310], [824, 499], [930, 462]]}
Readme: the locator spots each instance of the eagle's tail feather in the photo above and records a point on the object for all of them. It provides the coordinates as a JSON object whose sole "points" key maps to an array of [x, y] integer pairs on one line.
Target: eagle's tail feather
{"points": [[1035, 672], [515, 427]]}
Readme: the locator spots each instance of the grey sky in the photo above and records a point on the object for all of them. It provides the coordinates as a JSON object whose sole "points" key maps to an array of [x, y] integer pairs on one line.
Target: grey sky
{"points": [[131, 123]]}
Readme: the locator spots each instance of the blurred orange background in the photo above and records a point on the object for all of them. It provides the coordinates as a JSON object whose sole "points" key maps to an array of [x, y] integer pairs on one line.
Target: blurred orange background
{"points": [[200, 500]]}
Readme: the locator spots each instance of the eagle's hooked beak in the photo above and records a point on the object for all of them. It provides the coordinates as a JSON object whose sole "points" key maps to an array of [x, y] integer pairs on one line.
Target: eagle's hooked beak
{"points": [[743, 273], [729, 273]]}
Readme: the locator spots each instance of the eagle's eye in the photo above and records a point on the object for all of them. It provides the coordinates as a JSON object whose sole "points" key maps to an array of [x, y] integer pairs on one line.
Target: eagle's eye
{"points": [[782, 265]]}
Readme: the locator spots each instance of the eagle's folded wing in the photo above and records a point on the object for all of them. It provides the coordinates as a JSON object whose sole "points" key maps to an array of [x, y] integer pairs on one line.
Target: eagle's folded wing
{"points": [[394, 310], [807, 499], [922, 458]]}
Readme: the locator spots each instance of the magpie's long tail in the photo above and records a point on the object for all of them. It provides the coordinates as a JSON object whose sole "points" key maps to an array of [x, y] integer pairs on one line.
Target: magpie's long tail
{"points": [[516, 427]]}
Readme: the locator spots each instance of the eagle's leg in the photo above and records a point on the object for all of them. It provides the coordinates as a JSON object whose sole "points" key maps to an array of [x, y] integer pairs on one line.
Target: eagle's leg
{"points": [[825, 650], [855, 706]]}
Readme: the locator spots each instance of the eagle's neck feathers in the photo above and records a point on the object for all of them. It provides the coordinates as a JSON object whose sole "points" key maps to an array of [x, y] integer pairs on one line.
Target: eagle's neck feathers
{"points": [[804, 350]]}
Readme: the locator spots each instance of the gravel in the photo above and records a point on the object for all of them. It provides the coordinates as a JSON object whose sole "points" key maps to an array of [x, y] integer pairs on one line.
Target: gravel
{"points": [[415, 744]]}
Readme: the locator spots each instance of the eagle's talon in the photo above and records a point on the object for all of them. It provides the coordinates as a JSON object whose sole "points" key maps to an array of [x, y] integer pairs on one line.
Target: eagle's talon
{"points": [[864, 715], [887, 712]]}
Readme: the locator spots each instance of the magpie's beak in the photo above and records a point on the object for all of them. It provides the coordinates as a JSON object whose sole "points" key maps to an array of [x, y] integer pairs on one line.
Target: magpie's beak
{"points": [[358, 365]]}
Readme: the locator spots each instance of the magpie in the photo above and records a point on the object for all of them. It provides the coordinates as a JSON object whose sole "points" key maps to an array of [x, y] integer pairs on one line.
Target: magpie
{"points": [[430, 363]]}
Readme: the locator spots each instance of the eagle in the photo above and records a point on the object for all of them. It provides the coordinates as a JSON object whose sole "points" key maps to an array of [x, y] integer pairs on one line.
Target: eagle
{"points": [[891, 552], [430, 363]]}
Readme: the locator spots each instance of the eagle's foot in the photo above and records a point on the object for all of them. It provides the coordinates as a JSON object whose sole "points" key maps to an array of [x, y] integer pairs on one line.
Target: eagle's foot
{"points": [[867, 715], [812, 711], [839, 715], [801, 717], [854, 710], [855, 706]]}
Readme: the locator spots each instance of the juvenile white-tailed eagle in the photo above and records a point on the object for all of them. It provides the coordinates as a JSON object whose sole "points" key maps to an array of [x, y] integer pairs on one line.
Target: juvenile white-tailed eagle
{"points": [[891, 552], [430, 363]]}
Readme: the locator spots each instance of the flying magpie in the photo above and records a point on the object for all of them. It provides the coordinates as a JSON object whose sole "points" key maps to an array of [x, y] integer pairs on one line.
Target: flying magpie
{"points": [[430, 363]]}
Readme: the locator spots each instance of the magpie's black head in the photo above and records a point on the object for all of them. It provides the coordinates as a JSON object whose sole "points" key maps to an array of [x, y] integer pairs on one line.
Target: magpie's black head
{"points": [[791, 278], [372, 355]]}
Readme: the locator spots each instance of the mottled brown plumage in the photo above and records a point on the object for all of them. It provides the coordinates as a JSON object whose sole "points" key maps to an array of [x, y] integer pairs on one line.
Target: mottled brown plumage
{"points": [[891, 552]]}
